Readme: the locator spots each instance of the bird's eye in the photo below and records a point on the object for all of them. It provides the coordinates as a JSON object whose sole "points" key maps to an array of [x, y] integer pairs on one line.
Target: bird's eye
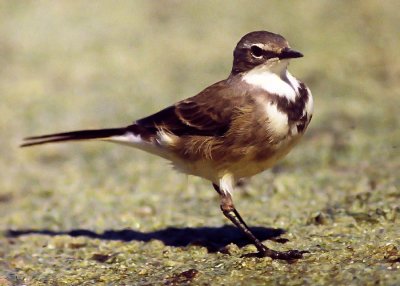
{"points": [[256, 51]]}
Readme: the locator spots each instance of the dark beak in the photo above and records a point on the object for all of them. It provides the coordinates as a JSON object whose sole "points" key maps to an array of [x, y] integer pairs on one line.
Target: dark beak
{"points": [[288, 53]]}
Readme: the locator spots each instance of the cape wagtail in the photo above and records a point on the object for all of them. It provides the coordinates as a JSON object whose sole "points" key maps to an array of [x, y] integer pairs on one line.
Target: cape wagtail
{"points": [[233, 129]]}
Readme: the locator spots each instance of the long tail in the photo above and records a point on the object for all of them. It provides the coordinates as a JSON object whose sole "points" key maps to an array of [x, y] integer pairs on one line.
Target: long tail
{"points": [[74, 136]]}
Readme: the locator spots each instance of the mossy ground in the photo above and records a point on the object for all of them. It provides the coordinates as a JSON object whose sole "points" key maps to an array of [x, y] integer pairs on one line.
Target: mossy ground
{"points": [[101, 214]]}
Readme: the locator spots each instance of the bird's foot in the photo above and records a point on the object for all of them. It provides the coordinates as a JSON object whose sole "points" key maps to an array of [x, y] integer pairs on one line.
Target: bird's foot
{"points": [[274, 254]]}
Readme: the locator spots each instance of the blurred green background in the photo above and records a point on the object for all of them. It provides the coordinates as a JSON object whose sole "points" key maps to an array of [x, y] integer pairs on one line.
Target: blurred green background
{"points": [[68, 65]]}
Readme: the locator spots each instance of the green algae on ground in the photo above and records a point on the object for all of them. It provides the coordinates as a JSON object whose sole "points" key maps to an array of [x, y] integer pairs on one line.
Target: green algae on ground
{"points": [[98, 214]]}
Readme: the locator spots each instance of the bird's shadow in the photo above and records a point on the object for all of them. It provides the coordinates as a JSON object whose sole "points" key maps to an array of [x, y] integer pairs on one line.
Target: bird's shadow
{"points": [[213, 238]]}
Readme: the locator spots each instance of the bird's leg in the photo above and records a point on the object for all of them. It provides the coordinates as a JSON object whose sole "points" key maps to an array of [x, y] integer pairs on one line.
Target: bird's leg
{"points": [[229, 210]]}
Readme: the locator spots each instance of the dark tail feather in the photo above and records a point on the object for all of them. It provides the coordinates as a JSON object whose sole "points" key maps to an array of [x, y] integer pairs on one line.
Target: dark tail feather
{"points": [[73, 136]]}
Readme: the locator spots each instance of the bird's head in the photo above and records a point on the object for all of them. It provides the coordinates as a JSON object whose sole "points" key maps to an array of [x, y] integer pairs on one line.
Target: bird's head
{"points": [[262, 49]]}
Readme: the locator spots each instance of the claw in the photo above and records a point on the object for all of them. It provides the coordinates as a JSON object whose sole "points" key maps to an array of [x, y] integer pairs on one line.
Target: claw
{"points": [[282, 255]]}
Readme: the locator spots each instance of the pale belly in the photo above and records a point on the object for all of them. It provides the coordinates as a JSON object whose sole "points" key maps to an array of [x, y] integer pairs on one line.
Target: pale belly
{"points": [[251, 166], [244, 167]]}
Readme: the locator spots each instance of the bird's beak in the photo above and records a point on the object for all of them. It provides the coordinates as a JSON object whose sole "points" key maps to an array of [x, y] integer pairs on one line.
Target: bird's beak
{"points": [[288, 53]]}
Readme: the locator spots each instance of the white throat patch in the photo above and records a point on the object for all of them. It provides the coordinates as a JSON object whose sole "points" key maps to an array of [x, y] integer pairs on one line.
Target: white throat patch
{"points": [[284, 84]]}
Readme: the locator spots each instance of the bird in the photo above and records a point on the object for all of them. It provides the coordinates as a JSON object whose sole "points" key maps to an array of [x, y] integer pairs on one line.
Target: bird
{"points": [[231, 130]]}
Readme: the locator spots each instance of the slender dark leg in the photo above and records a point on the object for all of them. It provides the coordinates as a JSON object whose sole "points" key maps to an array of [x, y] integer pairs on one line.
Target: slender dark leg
{"points": [[229, 210]]}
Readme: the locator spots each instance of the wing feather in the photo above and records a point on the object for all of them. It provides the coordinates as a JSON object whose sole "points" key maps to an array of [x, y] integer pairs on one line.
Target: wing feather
{"points": [[209, 113]]}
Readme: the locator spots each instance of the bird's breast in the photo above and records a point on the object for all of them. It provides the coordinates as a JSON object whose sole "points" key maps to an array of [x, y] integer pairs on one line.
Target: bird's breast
{"points": [[261, 132]]}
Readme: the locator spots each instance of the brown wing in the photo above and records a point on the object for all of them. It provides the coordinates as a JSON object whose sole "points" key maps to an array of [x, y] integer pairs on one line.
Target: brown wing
{"points": [[209, 113]]}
